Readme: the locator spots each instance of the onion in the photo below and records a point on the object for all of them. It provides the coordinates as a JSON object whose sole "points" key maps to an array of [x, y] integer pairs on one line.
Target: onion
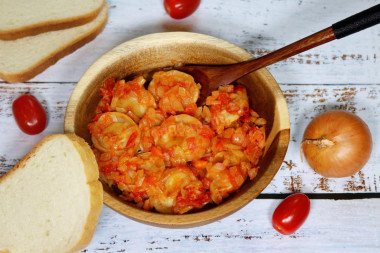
{"points": [[337, 144]]}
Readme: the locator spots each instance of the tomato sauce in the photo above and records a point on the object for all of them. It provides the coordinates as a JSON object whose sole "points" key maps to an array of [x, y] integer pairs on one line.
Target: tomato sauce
{"points": [[171, 155]]}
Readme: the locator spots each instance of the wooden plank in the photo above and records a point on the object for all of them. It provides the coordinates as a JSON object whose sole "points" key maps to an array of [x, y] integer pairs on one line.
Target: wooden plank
{"points": [[343, 74], [15, 144], [332, 226], [257, 27], [304, 103]]}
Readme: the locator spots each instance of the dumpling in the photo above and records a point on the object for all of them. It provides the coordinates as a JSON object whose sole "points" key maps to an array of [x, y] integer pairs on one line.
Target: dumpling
{"points": [[175, 91], [227, 105], [115, 132], [132, 98], [182, 138]]}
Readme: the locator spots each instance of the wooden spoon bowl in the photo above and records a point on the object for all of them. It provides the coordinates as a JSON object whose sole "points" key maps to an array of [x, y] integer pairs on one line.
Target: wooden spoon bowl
{"points": [[156, 51]]}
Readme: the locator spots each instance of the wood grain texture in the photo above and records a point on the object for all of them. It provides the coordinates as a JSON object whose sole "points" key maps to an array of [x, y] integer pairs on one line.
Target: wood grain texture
{"points": [[160, 50], [258, 27], [16, 144], [249, 230], [212, 76], [343, 74], [304, 103]]}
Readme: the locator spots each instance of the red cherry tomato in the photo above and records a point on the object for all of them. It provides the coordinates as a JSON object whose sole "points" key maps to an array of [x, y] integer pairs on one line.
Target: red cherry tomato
{"points": [[179, 9], [291, 213], [29, 114]]}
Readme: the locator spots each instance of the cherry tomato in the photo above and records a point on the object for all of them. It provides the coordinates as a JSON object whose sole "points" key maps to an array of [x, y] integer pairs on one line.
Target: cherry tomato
{"points": [[291, 213], [29, 114], [179, 9]]}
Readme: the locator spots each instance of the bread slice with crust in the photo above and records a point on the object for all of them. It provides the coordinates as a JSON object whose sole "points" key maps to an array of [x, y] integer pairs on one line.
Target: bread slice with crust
{"points": [[22, 59], [50, 201], [22, 18]]}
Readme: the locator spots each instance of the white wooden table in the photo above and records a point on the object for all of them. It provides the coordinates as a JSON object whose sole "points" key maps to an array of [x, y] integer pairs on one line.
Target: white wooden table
{"points": [[344, 74]]}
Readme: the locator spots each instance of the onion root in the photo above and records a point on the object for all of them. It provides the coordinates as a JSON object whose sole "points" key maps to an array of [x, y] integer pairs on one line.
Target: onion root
{"points": [[320, 143]]}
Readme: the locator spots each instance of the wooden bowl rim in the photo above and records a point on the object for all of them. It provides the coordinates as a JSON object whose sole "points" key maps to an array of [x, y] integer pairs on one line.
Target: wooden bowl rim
{"points": [[139, 43]]}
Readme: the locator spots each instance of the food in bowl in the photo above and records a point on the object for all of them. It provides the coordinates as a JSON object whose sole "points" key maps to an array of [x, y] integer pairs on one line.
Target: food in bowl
{"points": [[164, 152], [158, 51]]}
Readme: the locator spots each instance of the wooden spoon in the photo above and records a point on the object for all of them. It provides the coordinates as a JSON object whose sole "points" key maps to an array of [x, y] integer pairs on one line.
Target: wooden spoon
{"points": [[211, 77]]}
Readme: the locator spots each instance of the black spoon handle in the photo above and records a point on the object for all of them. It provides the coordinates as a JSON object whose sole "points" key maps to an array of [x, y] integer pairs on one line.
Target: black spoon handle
{"points": [[357, 22]]}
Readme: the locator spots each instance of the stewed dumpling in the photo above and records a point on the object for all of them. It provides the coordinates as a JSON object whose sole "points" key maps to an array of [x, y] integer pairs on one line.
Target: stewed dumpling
{"points": [[115, 132], [182, 138], [164, 153], [227, 105], [132, 98], [175, 91]]}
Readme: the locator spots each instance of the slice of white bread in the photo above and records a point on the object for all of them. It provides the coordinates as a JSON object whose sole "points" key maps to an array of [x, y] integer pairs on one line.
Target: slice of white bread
{"points": [[22, 18], [50, 201], [22, 59]]}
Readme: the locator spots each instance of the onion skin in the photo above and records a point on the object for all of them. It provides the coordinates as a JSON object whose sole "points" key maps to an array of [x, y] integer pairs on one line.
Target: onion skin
{"points": [[346, 145]]}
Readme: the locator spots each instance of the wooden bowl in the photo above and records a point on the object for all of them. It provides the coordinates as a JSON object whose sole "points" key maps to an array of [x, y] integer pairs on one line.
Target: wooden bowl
{"points": [[156, 51]]}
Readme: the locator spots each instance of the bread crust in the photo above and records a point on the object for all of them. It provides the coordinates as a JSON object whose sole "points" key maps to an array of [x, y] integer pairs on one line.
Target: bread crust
{"points": [[96, 190], [92, 175], [51, 59], [52, 25]]}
